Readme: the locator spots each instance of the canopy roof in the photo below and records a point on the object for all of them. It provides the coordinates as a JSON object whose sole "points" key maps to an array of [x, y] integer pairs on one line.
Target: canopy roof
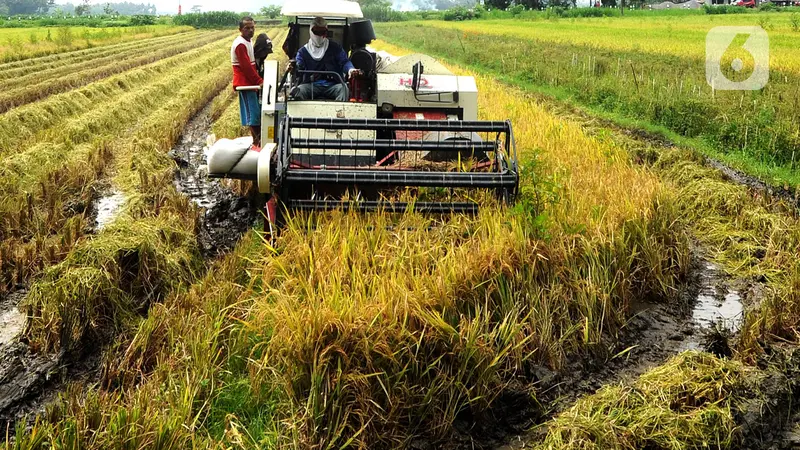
{"points": [[322, 8]]}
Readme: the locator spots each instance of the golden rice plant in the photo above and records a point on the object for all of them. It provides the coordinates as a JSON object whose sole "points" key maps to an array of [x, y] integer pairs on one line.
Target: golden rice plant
{"points": [[14, 97], [27, 125], [49, 66], [352, 335], [16, 57], [689, 402]]}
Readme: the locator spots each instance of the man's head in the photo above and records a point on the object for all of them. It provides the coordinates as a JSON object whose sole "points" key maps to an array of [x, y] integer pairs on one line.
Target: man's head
{"points": [[247, 26], [319, 27]]}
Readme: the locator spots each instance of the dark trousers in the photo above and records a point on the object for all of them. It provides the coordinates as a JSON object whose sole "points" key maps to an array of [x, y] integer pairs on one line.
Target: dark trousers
{"points": [[311, 91]]}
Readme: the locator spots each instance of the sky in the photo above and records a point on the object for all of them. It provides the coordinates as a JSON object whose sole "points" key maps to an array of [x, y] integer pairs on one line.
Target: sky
{"points": [[171, 6]]}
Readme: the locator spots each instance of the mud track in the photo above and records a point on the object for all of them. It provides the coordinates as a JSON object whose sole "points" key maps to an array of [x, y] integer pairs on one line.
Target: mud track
{"points": [[226, 215]]}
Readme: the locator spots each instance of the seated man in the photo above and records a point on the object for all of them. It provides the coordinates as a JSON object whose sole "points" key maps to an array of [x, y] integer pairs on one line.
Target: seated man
{"points": [[320, 53]]}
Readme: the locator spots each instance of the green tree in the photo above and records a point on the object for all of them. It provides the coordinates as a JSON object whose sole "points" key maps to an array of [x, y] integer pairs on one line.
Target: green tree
{"points": [[14, 7], [271, 11], [497, 4], [375, 3]]}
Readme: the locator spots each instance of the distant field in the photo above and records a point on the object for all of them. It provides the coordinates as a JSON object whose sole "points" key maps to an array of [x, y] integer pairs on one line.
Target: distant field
{"points": [[644, 68], [22, 43], [678, 35]]}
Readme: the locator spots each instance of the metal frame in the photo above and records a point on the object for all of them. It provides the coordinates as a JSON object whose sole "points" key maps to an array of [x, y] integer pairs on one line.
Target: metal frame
{"points": [[499, 173]]}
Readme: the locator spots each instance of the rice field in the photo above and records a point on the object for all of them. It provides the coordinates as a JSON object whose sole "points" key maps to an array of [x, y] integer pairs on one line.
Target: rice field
{"points": [[561, 322], [646, 69], [18, 44]]}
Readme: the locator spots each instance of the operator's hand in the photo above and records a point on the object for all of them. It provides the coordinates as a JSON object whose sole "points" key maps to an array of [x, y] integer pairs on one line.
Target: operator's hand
{"points": [[353, 72]]}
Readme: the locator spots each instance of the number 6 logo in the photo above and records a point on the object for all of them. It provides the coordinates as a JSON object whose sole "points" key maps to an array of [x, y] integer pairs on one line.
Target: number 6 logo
{"points": [[719, 40]]}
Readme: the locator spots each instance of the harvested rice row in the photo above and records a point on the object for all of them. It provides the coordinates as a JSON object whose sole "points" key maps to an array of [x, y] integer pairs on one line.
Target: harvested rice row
{"points": [[228, 122], [42, 75], [22, 127], [106, 280], [34, 52], [55, 176], [694, 400], [27, 94], [21, 169], [58, 61]]}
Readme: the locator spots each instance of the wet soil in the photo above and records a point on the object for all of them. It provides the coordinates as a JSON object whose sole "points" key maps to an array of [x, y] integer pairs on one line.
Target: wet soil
{"points": [[29, 381], [226, 215]]}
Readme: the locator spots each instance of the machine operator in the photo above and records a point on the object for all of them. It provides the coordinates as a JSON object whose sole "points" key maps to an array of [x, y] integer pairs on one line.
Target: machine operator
{"points": [[322, 54]]}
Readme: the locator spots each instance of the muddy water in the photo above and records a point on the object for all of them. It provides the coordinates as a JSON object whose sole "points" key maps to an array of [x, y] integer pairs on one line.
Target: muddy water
{"points": [[12, 320], [107, 208], [718, 306], [225, 215]]}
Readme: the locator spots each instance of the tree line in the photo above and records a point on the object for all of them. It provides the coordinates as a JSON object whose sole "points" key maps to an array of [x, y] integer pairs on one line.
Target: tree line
{"points": [[41, 7]]}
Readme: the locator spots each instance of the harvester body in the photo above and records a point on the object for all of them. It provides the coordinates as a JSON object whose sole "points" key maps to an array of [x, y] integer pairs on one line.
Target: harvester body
{"points": [[409, 123]]}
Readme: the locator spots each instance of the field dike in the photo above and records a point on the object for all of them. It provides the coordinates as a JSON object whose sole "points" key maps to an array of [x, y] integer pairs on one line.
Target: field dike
{"points": [[747, 236]]}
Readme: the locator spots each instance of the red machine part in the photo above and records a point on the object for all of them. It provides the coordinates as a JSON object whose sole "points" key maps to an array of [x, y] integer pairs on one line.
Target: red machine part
{"points": [[416, 115]]}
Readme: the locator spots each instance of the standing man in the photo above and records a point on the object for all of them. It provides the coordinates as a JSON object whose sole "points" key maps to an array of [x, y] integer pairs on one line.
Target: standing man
{"points": [[243, 60]]}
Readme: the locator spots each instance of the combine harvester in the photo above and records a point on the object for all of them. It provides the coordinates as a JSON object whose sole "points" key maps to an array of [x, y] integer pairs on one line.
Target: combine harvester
{"points": [[409, 123]]}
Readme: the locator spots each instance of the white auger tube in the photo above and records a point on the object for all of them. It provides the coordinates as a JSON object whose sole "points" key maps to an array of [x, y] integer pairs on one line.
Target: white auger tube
{"points": [[234, 158]]}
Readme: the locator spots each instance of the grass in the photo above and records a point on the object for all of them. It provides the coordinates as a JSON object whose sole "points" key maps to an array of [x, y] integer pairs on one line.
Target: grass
{"points": [[654, 34], [18, 44], [633, 80]]}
